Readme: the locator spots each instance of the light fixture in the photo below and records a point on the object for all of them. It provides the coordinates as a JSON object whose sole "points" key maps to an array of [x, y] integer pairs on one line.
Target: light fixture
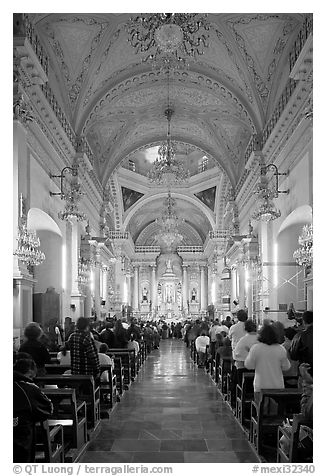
{"points": [[304, 254], [266, 210], [170, 39], [71, 195], [169, 221], [28, 247], [166, 170]]}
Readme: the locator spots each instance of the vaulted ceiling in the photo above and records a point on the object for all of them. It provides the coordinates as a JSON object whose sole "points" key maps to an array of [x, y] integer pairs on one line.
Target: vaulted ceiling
{"points": [[118, 101]]}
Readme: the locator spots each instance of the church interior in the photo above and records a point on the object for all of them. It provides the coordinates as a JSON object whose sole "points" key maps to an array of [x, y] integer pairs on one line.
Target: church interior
{"points": [[162, 176]]}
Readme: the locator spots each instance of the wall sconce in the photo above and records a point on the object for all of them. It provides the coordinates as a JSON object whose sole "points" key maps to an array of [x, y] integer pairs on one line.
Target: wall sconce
{"points": [[277, 174], [74, 173]]}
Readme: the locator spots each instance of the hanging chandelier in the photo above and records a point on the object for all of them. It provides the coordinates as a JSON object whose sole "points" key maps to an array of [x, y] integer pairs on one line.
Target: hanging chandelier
{"points": [[170, 39], [28, 247], [72, 197], [166, 170], [266, 211], [169, 222], [304, 254]]}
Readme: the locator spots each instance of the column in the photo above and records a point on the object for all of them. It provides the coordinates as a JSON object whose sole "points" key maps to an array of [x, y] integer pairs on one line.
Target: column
{"points": [[185, 295], [242, 279], [203, 288], [128, 277], [97, 278], [77, 297], [136, 289], [88, 302], [154, 288]]}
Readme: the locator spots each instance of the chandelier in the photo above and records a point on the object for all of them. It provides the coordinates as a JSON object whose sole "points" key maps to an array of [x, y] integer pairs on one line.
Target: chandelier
{"points": [[169, 221], [170, 39], [72, 198], [304, 254], [166, 170], [28, 247]]}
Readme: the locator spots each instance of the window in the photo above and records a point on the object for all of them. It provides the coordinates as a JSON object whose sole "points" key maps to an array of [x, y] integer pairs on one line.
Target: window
{"points": [[203, 164], [132, 165]]}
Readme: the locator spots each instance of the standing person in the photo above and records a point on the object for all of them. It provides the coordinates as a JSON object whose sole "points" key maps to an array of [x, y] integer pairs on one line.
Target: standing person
{"points": [[120, 335], [302, 345], [201, 343], [107, 335], [227, 322], [237, 330], [83, 352], [35, 348], [245, 343], [212, 335], [268, 359], [30, 405]]}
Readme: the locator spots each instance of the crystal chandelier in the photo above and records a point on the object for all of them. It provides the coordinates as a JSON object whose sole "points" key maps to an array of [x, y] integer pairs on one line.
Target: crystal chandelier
{"points": [[169, 234], [266, 211], [72, 198], [28, 247], [166, 170], [170, 39], [304, 254]]}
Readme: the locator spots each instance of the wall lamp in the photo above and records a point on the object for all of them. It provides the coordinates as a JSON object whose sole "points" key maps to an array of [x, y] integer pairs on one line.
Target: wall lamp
{"points": [[277, 174], [74, 172]]}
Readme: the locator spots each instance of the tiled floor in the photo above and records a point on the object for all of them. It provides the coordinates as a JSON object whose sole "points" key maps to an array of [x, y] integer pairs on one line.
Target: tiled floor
{"points": [[173, 413]]}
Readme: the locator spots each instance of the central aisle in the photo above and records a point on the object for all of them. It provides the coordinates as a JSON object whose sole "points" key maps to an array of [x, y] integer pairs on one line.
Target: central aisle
{"points": [[172, 413]]}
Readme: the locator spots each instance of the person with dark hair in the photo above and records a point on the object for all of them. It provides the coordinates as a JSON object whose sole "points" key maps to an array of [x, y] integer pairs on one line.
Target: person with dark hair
{"points": [[245, 343], [30, 405], [279, 329], [105, 360], [63, 355], [237, 330], [83, 352], [35, 348], [120, 335], [302, 344], [201, 343], [107, 335], [269, 359], [227, 322]]}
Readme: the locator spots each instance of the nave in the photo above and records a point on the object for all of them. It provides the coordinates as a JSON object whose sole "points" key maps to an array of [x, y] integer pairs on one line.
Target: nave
{"points": [[172, 413]]}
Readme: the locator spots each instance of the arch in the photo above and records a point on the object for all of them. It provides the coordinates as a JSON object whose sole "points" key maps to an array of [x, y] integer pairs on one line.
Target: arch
{"points": [[49, 273], [300, 215], [145, 200], [39, 220]]}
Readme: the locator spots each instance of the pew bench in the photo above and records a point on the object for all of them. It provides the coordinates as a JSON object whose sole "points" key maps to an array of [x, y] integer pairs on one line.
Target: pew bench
{"points": [[266, 420], [86, 390], [290, 449], [71, 415], [244, 396], [124, 356], [49, 443], [128, 358]]}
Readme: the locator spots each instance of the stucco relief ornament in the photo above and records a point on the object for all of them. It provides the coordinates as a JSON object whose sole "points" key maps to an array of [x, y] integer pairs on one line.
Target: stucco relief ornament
{"points": [[21, 110]]}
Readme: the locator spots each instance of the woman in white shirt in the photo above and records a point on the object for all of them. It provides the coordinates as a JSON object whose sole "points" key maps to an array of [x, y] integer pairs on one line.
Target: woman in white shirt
{"points": [[105, 360], [245, 343], [269, 359]]}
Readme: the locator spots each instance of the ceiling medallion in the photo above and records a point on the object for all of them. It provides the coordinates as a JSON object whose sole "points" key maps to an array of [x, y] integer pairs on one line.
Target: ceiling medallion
{"points": [[170, 39]]}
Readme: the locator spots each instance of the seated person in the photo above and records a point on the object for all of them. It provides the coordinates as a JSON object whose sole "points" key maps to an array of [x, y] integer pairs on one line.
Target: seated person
{"points": [[201, 344], [64, 355], [105, 360], [133, 344], [30, 405]]}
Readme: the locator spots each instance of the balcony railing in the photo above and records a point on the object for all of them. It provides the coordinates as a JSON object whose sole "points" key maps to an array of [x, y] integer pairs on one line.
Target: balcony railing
{"points": [[118, 235], [190, 249], [304, 32], [35, 42], [218, 234], [147, 249]]}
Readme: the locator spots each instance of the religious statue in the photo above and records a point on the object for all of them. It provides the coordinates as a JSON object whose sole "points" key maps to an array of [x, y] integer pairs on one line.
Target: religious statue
{"points": [[168, 265], [145, 295], [193, 295]]}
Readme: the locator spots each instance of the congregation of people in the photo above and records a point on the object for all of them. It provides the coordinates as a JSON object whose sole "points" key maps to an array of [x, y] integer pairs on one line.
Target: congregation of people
{"points": [[275, 354]]}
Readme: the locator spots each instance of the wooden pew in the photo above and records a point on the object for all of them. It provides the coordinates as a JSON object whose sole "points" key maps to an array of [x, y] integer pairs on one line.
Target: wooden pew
{"points": [[124, 355], [71, 415], [288, 450], [263, 423], [128, 361], [108, 390], [224, 368], [119, 375], [86, 389], [49, 446], [244, 396], [143, 350]]}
